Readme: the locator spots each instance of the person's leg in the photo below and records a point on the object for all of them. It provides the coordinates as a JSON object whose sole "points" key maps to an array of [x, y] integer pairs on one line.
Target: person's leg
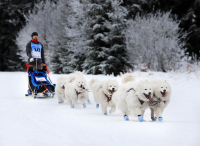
{"points": [[29, 90]]}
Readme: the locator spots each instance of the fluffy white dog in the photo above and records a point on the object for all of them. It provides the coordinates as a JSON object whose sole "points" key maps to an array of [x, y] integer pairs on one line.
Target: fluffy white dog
{"points": [[60, 88], [133, 97], [103, 92], [75, 89], [161, 98]]}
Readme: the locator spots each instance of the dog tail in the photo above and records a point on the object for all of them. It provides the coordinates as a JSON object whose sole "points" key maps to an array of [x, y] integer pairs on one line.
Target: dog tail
{"points": [[92, 82], [128, 78], [61, 78], [78, 73], [71, 78]]}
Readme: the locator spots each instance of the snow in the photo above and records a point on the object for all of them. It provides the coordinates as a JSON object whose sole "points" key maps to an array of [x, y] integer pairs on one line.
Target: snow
{"points": [[98, 36], [44, 122], [96, 26]]}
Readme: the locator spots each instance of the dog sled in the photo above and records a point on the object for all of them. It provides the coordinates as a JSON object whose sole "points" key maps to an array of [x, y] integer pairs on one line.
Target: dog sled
{"points": [[39, 83]]}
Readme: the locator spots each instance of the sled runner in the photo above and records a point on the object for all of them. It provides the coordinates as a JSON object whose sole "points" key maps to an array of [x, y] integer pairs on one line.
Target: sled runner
{"points": [[39, 82]]}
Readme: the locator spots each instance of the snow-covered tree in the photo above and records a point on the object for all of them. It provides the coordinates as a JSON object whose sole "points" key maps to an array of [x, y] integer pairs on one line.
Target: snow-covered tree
{"points": [[106, 46], [11, 21], [61, 29], [116, 24], [155, 41], [77, 35], [190, 22], [44, 19]]}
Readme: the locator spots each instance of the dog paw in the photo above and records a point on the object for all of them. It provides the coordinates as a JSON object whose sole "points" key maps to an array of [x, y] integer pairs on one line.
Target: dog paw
{"points": [[160, 119], [84, 105], [60, 102], [72, 106], [140, 118], [126, 118], [97, 106], [89, 102], [153, 119], [105, 114]]}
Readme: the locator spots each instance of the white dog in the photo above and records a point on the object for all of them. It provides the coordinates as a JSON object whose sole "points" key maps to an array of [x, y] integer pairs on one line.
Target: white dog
{"points": [[133, 97], [119, 98], [161, 98], [60, 88], [75, 89], [103, 91]]}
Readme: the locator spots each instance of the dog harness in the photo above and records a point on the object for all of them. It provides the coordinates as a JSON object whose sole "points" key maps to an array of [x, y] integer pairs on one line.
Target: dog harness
{"points": [[156, 102], [130, 90], [77, 93], [108, 98], [141, 101]]}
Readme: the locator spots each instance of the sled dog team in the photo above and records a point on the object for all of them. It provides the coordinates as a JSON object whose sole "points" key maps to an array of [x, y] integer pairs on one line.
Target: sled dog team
{"points": [[131, 98]]}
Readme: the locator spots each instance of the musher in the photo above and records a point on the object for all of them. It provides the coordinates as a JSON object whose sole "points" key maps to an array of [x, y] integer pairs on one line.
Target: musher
{"points": [[35, 53]]}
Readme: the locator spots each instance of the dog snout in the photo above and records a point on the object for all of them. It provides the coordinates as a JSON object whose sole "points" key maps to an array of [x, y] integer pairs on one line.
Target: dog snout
{"points": [[149, 93], [113, 89], [164, 90]]}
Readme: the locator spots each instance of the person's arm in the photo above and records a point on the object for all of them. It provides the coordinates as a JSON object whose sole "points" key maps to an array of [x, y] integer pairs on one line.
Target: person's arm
{"points": [[42, 55], [28, 50]]}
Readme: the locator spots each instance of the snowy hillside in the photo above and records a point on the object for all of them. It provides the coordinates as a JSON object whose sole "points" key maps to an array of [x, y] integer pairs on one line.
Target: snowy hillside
{"points": [[44, 122]]}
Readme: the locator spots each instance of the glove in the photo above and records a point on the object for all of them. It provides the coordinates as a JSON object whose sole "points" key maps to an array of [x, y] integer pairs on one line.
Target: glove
{"points": [[43, 64], [32, 59]]}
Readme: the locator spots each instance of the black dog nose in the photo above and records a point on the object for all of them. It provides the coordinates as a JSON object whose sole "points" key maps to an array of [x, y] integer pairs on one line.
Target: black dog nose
{"points": [[149, 93], [113, 88], [164, 90]]}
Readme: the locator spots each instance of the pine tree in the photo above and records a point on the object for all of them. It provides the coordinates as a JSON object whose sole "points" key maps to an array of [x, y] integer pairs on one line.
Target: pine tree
{"points": [[133, 7], [56, 63], [106, 47], [191, 23], [76, 27], [11, 21]]}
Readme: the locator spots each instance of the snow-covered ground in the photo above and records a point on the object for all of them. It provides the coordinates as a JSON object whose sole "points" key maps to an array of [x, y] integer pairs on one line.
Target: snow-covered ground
{"points": [[44, 122]]}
